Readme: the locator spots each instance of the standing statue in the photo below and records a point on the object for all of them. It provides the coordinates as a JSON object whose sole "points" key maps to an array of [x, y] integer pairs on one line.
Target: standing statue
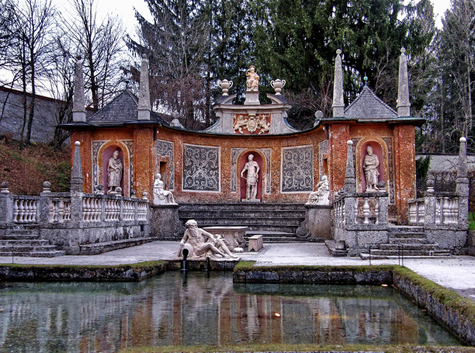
{"points": [[252, 80], [114, 172], [252, 178], [371, 170], [160, 195], [201, 244]]}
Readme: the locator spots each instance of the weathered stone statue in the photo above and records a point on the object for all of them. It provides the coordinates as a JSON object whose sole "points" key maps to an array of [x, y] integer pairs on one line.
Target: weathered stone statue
{"points": [[252, 177], [201, 244], [252, 80], [320, 197], [371, 170], [114, 172], [160, 195]]}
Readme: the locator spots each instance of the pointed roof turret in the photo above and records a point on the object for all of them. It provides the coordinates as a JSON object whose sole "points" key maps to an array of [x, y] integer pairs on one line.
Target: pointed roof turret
{"points": [[79, 103], [403, 103], [338, 103], [144, 107]]}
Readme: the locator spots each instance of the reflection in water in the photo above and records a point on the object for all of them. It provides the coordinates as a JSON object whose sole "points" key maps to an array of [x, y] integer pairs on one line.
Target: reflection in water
{"points": [[174, 309]]}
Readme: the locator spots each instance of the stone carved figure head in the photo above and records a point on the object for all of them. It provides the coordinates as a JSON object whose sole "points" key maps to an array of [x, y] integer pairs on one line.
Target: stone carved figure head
{"points": [[190, 224], [369, 149], [250, 157]]}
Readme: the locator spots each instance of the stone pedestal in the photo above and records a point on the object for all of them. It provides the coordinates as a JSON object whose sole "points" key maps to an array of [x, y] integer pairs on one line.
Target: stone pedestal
{"points": [[233, 236], [319, 221], [165, 223]]}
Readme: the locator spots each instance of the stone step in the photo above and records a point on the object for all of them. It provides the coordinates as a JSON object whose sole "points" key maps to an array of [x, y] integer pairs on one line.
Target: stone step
{"points": [[242, 214], [243, 206], [407, 253], [53, 253], [405, 229], [408, 246], [244, 221], [408, 240], [25, 248], [19, 237], [16, 242], [99, 248]]}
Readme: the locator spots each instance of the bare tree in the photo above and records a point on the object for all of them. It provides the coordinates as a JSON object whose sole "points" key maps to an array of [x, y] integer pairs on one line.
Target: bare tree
{"points": [[100, 43]]}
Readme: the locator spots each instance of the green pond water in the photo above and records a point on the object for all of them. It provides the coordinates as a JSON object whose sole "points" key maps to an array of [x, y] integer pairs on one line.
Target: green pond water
{"points": [[205, 309]]}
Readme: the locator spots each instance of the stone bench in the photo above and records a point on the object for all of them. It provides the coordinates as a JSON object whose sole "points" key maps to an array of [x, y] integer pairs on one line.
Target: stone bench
{"points": [[233, 236], [255, 242]]}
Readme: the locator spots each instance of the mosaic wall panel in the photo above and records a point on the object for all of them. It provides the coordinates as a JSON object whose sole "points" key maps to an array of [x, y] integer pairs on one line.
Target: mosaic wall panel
{"points": [[297, 169], [167, 149], [235, 153], [96, 168], [201, 168]]}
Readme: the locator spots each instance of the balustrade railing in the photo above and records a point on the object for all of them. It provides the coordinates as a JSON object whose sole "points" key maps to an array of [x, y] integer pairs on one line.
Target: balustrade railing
{"points": [[25, 209], [59, 209], [361, 209], [438, 209]]}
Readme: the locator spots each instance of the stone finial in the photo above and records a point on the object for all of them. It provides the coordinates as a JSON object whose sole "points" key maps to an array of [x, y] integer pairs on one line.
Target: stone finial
{"points": [[350, 179], [46, 186], [76, 174], [79, 102], [338, 102], [4, 188], [403, 102], [225, 86], [145, 195], [144, 106]]}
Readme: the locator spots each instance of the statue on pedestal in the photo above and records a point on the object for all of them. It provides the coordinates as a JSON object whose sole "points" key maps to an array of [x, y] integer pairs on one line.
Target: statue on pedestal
{"points": [[201, 244], [160, 195], [320, 197], [114, 172], [252, 178], [371, 170], [252, 79]]}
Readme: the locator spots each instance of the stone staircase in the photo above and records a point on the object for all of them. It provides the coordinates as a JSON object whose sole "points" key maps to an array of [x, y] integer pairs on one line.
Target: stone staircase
{"points": [[26, 241], [407, 241], [276, 222]]}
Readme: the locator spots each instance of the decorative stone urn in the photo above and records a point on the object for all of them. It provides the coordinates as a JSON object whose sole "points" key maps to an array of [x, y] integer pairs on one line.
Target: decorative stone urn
{"points": [[277, 85], [225, 86]]}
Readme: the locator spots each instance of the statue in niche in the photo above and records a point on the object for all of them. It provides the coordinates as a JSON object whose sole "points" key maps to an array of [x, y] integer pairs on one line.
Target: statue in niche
{"points": [[252, 177], [320, 197], [371, 170], [160, 195], [201, 244], [114, 172], [252, 79]]}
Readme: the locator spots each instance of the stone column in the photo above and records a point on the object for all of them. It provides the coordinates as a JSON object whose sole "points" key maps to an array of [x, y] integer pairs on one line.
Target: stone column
{"points": [[44, 202], [462, 185], [430, 202], [403, 102], [79, 109], [6, 204], [338, 102], [76, 186], [350, 179], [144, 107]]}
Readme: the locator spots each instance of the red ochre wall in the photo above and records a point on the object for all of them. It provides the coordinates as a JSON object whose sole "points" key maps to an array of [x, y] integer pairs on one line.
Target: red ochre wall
{"points": [[400, 137]]}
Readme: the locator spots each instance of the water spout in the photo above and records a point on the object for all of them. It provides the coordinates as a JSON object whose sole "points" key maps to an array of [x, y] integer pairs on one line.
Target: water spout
{"points": [[185, 255]]}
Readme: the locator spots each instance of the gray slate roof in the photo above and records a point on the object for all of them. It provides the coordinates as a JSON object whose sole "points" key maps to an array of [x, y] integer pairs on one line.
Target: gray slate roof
{"points": [[121, 109], [368, 106]]}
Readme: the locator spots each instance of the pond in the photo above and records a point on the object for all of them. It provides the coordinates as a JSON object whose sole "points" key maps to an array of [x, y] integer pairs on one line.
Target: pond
{"points": [[205, 309]]}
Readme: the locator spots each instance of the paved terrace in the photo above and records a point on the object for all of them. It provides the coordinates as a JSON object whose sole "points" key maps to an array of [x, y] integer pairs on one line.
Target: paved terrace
{"points": [[456, 273]]}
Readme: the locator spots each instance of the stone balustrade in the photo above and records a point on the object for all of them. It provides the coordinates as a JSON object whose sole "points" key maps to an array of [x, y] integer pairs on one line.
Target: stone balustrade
{"points": [[441, 209], [361, 209], [57, 208]]}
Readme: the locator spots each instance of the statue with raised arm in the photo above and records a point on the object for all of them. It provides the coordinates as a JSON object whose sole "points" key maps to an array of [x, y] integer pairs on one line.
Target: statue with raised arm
{"points": [[371, 170], [252, 79], [201, 244], [160, 195], [114, 172], [252, 177]]}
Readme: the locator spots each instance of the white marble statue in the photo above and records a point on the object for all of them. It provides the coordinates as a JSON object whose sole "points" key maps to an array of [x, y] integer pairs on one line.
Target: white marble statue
{"points": [[252, 79], [371, 170], [160, 195], [252, 177], [114, 172], [201, 244], [320, 197]]}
